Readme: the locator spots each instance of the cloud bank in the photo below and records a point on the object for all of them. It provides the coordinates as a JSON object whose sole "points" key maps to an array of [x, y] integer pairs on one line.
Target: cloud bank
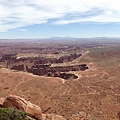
{"points": [[20, 13]]}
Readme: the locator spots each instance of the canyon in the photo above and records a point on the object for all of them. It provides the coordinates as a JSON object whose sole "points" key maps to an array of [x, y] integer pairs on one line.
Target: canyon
{"points": [[74, 80]]}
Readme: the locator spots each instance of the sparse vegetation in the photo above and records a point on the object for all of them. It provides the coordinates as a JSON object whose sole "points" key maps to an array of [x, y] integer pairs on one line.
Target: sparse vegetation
{"points": [[95, 91], [12, 114]]}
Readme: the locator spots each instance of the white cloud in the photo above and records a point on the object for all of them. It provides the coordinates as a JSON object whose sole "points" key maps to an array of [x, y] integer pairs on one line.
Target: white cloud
{"points": [[19, 13], [22, 29]]}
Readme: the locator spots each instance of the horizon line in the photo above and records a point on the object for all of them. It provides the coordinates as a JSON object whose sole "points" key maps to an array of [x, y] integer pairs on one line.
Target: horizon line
{"points": [[56, 38]]}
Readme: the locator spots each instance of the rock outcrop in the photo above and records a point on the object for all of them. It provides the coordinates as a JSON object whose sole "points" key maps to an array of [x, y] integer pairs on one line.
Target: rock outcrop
{"points": [[12, 58], [18, 67], [62, 59], [34, 111], [23, 105], [57, 71], [63, 75]]}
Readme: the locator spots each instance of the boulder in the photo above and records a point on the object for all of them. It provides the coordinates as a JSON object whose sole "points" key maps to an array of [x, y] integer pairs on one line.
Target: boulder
{"points": [[23, 105]]}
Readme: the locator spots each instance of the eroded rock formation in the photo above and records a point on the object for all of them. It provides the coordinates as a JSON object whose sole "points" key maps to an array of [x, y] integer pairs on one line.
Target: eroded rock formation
{"points": [[63, 75], [32, 110], [62, 59], [23, 105], [42, 66], [58, 71], [18, 67]]}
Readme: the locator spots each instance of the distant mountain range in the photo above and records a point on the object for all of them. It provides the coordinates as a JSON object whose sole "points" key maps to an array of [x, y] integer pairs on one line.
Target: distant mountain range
{"points": [[67, 39]]}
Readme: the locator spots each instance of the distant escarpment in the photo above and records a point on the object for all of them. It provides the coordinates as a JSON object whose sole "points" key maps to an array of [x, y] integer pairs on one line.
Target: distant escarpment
{"points": [[62, 59], [47, 70], [12, 58], [45, 66]]}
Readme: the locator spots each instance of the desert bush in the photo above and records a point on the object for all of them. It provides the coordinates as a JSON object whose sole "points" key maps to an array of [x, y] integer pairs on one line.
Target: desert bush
{"points": [[12, 114]]}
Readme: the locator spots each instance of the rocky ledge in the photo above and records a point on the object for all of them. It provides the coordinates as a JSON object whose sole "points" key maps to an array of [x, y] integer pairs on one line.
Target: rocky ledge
{"points": [[34, 112]]}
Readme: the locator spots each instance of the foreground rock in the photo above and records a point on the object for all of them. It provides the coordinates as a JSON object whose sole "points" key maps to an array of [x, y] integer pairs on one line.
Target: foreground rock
{"points": [[22, 104], [32, 110]]}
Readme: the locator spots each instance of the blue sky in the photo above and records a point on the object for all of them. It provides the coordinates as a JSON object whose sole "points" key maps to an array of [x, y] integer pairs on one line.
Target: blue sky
{"points": [[59, 18]]}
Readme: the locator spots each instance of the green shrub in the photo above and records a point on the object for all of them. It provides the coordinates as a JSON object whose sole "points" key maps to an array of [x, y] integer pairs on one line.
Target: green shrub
{"points": [[12, 114]]}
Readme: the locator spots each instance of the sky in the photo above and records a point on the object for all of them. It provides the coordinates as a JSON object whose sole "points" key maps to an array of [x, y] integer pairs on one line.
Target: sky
{"points": [[59, 18]]}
